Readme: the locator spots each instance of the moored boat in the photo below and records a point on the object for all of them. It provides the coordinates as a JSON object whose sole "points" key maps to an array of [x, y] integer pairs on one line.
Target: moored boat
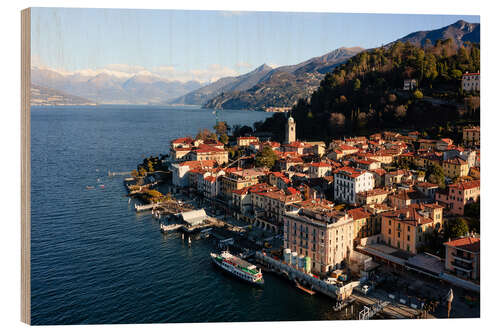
{"points": [[238, 267]]}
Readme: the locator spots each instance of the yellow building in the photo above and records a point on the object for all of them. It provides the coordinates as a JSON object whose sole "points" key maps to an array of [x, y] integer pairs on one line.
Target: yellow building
{"points": [[407, 229], [455, 168], [471, 136], [236, 179]]}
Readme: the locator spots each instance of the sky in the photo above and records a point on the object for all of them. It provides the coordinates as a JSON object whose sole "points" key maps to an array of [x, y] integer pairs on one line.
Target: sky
{"points": [[204, 45]]}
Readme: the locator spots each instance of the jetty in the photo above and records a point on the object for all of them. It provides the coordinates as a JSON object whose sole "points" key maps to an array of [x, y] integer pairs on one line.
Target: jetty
{"points": [[120, 173], [333, 291], [140, 208], [387, 308], [170, 227]]}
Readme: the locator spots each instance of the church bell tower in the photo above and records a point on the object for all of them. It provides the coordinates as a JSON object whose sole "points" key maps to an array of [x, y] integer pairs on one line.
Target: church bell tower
{"points": [[290, 130]]}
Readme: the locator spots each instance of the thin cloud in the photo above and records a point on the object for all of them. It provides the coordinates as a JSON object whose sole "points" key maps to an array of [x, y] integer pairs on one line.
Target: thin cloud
{"points": [[242, 65], [211, 73]]}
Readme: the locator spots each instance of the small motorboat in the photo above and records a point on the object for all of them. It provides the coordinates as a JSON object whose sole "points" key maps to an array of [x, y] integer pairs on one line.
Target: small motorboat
{"points": [[88, 187]]}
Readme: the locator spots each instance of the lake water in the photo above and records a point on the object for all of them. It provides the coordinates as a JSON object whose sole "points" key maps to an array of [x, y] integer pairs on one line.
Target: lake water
{"points": [[94, 260]]}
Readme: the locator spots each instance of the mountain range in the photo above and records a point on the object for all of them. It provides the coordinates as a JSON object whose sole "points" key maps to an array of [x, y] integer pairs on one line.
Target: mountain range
{"points": [[112, 89], [262, 87], [282, 86], [460, 32], [48, 96], [226, 84]]}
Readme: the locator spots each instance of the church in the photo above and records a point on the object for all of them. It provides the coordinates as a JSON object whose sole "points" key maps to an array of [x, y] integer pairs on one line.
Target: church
{"points": [[290, 131]]}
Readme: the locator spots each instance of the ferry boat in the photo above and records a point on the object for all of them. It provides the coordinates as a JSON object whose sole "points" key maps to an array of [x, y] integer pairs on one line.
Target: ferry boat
{"points": [[238, 267]]}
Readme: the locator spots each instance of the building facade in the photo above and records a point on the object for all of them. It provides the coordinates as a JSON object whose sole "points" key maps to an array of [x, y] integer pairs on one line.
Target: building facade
{"points": [[349, 181], [463, 258], [408, 228], [456, 196], [321, 233], [470, 82]]}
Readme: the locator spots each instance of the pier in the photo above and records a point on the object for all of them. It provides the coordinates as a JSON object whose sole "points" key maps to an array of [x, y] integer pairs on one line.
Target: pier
{"points": [[120, 173], [141, 208], [170, 227], [378, 304], [330, 290]]}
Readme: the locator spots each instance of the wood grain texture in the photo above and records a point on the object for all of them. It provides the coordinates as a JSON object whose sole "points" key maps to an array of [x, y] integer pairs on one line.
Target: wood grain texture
{"points": [[25, 166]]}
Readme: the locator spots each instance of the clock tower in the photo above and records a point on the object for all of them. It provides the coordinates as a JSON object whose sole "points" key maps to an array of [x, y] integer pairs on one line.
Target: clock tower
{"points": [[290, 130]]}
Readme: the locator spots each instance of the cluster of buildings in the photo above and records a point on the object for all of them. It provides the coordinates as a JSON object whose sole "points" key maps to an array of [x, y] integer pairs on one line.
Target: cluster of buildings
{"points": [[330, 201]]}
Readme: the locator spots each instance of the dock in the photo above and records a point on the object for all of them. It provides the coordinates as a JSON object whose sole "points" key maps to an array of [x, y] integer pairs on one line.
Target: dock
{"points": [[141, 208], [333, 291], [386, 308], [170, 227]]}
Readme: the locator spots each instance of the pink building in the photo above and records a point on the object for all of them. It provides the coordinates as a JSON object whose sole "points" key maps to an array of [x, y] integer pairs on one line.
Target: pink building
{"points": [[456, 196], [462, 258]]}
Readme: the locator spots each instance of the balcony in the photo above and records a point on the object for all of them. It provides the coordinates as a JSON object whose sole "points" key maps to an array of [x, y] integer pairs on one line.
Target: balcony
{"points": [[461, 257], [462, 266]]}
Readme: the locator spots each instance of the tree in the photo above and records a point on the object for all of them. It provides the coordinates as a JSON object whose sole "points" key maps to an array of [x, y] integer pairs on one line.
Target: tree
{"points": [[456, 74], [473, 209], [455, 228], [205, 134], [435, 174], [221, 128], [266, 158], [134, 173], [357, 84], [142, 171], [418, 94], [224, 138]]}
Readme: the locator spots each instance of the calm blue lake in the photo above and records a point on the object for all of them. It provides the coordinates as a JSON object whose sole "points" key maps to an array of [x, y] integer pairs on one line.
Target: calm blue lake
{"points": [[95, 261]]}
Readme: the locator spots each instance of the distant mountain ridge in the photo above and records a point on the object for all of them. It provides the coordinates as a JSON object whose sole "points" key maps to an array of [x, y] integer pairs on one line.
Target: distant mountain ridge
{"points": [[47, 96], [226, 84], [460, 32], [285, 85], [112, 89]]}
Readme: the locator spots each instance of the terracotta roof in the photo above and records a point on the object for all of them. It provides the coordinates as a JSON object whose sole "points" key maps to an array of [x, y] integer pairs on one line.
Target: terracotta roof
{"points": [[186, 140], [379, 171], [471, 244], [194, 164], [351, 172], [203, 148], [456, 161], [375, 191], [358, 213], [410, 215], [321, 165], [466, 185], [426, 184]]}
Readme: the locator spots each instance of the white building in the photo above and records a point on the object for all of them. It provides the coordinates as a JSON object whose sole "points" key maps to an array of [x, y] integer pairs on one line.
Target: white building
{"points": [[348, 182], [320, 169], [470, 82], [180, 176]]}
